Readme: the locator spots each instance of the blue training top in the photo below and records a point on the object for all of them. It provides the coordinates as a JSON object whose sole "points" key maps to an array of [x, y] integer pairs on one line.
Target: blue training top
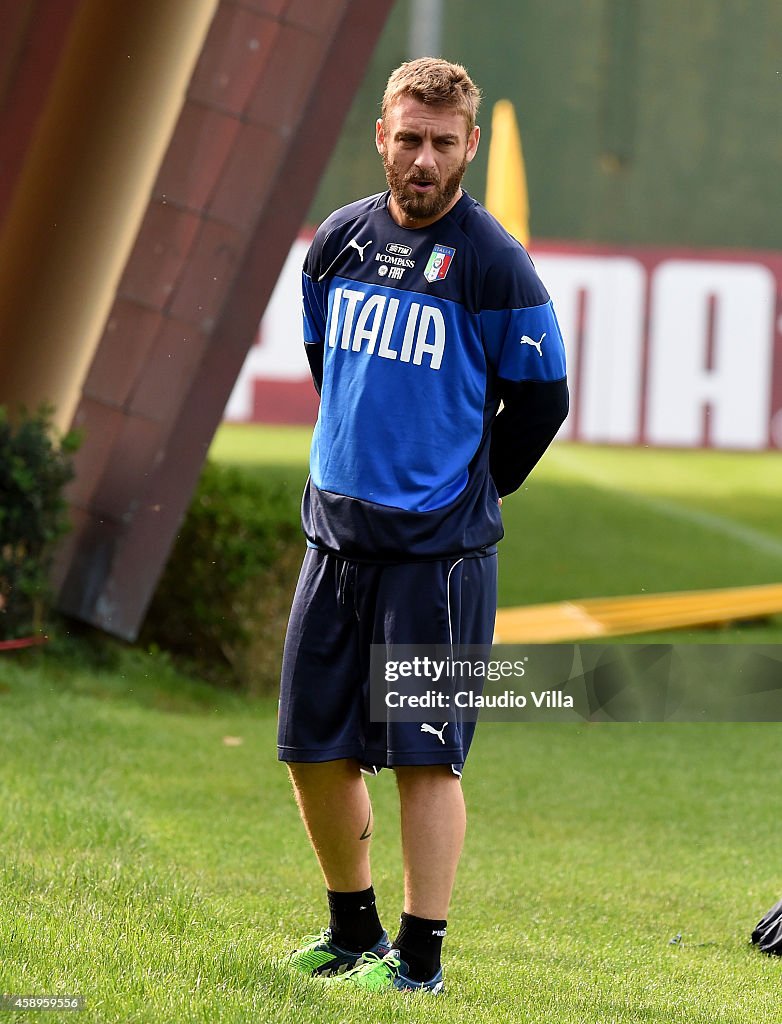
{"points": [[410, 334]]}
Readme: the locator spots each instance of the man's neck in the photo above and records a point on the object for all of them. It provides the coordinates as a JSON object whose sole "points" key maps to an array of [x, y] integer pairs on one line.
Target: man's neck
{"points": [[412, 223]]}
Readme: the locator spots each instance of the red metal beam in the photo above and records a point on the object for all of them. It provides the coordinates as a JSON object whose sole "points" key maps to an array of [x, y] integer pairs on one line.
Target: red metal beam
{"points": [[33, 35], [263, 111]]}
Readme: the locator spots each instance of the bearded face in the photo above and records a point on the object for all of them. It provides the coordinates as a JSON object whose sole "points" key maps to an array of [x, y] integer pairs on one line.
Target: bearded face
{"points": [[423, 195], [425, 151]]}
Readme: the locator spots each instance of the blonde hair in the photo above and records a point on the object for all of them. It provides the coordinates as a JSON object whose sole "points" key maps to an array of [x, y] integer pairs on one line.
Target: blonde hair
{"points": [[435, 82]]}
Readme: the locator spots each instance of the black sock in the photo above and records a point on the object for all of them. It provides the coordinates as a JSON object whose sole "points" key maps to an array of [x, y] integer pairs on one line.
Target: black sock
{"points": [[354, 923], [420, 942]]}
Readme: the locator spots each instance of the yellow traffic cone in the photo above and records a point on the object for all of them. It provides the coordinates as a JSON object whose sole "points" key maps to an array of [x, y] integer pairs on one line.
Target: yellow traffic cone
{"points": [[506, 178]]}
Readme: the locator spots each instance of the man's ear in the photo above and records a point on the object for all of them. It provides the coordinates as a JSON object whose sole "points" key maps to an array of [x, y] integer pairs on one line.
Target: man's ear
{"points": [[472, 143], [380, 136]]}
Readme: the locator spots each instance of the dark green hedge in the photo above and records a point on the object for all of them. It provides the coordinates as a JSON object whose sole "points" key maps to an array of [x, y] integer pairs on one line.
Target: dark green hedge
{"points": [[35, 466], [223, 600]]}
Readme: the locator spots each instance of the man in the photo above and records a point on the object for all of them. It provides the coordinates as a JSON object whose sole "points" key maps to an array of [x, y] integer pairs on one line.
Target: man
{"points": [[421, 314]]}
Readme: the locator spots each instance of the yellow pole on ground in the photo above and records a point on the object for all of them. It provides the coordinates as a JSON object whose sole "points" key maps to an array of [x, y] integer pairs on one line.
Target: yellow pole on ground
{"points": [[506, 179]]}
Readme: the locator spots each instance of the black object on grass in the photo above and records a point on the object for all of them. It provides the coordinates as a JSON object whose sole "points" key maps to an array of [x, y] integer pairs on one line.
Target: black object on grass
{"points": [[768, 931]]}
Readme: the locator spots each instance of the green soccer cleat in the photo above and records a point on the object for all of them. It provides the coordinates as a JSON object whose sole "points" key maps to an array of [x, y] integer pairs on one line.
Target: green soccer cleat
{"points": [[375, 973], [320, 957]]}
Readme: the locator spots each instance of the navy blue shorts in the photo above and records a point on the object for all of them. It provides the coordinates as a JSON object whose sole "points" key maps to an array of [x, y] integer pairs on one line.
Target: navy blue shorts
{"points": [[339, 610]]}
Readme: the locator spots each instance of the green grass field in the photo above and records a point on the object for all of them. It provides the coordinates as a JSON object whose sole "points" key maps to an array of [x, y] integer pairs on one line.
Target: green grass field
{"points": [[162, 872]]}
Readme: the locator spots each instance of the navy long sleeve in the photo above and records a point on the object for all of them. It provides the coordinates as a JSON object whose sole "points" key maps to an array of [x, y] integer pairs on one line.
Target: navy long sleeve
{"points": [[532, 413]]}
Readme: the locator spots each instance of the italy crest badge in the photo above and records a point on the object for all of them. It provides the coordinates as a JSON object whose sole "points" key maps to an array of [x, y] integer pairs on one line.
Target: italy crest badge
{"points": [[439, 262]]}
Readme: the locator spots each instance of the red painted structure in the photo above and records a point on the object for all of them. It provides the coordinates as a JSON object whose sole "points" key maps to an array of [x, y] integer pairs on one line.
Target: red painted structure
{"points": [[262, 112], [32, 36]]}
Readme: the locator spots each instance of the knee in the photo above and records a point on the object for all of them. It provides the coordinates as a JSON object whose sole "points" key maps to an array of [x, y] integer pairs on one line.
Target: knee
{"points": [[302, 772]]}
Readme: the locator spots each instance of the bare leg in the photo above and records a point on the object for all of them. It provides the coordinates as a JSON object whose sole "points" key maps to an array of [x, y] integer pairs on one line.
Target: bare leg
{"points": [[433, 826], [337, 814]]}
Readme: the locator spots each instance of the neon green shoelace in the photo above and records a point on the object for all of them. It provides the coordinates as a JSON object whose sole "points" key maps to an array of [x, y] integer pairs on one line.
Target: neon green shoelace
{"points": [[379, 969]]}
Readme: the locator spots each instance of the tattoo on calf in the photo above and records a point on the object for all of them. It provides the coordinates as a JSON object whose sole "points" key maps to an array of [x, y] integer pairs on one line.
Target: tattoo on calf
{"points": [[368, 827]]}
